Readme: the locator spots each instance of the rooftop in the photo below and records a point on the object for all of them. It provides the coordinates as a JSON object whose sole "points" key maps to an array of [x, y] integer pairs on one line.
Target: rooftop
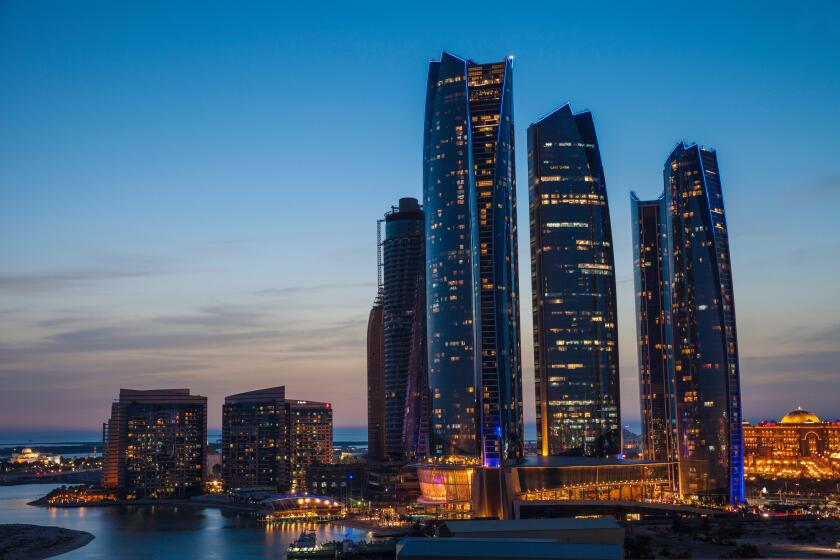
{"points": [[553, 524], [166, 396], [419, 547], [271, 393], [800, 416], [539, 461]]}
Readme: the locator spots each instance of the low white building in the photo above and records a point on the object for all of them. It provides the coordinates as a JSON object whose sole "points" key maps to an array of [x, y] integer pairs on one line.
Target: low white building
{"points": [[28, 456]]}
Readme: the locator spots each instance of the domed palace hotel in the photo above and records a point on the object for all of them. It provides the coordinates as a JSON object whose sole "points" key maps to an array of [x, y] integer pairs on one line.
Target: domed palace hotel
{"points": [[798, 445]]}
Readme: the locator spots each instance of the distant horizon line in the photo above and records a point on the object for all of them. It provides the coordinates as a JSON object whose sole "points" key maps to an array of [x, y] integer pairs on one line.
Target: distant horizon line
{"points": [[90, 429], [635, 423]]}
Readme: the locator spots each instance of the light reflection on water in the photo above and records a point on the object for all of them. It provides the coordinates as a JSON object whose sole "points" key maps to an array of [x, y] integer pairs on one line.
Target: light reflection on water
{"points": [[158, 532]]}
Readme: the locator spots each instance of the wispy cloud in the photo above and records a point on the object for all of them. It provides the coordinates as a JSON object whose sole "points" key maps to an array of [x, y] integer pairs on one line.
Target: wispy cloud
{"points": [[212, 349], [809, 336], [111, 268], [292, 290], [798, 366], [227, 316], [773, 383], [210, 328], [108, 339]]}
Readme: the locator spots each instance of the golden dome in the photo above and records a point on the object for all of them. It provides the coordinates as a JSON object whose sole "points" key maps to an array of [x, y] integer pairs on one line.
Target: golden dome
{"points": [[800, 416]]}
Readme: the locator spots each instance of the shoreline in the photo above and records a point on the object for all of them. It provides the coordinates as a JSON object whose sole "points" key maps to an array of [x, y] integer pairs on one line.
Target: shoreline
{"points": [[19, 541], [181, 502], [377, 532], [66, 478]]}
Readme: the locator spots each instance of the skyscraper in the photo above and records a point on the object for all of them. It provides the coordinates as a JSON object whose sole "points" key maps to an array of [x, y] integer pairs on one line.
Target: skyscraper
{"points": [[154, 444], [402, 270], [653, 326], [416, 421], [573, 289], [255, 440], [699, 339], [472, 296], [376, 382], [310, 438], [706, 374], [269, 441]]}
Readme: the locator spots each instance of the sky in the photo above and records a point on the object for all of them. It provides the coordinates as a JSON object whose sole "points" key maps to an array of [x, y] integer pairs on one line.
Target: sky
{"points": [[189, 190]]}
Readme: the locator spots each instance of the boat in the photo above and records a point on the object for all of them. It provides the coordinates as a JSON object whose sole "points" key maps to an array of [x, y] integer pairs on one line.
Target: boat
{"points": [[306, 538]]}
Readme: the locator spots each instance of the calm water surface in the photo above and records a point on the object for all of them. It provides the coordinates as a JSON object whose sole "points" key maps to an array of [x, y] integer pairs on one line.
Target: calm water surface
{"points": [[150, 532]]}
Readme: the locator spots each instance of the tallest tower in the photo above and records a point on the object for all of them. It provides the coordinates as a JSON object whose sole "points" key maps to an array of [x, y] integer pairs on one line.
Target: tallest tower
{"points": [[472, 292]]}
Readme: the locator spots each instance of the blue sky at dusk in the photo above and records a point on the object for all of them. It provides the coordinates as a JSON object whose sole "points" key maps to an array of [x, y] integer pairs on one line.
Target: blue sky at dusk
{"points": [[189, 190]]}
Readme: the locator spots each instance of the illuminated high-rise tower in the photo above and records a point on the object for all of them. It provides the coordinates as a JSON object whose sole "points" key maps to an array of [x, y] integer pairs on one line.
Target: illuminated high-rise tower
{"points": [[376, 382], [154, 444], [573, 289], [706, 373], [403, 277], [653, 326], [472, 296], [255, 440], [699, 337]]}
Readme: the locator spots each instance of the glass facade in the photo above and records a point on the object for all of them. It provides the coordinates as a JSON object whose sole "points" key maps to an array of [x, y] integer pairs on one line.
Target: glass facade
{"points": [[632, 480], [685, 310], [310, 438], [573, 289], [472, 297], [445, 484], [416, 422], [255, 440], [270, 441], [165, 452], [155, 444], [706, 375], [656, 381], [403, 277], [376, 383]]}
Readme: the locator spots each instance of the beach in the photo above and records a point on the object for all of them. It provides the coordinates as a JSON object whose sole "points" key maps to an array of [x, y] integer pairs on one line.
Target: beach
{"points": [[18, 541]]}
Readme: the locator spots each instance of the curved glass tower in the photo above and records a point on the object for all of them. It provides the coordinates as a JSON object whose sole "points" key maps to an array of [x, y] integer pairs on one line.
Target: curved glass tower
{"points": [[653, 327], [402, 270], [706, 375], [416, 418], [469, 197], [376, 382], [573, 289]]}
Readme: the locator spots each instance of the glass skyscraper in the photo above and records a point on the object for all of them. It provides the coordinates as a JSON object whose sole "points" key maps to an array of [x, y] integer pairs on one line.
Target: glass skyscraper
{"points": [[702, 355], [573, 289], [154, 444], [376, 382], [472, 296], [403, 277], [310, 438], [706, 373], [269, 441], [255, 440], [416, 420], [653, 321]]}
